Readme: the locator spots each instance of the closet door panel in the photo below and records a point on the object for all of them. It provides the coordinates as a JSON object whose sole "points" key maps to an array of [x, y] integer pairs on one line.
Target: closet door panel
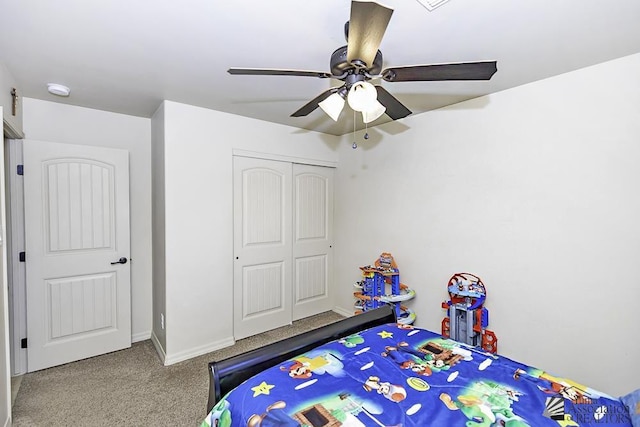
{"points": [[262, 245], [312, 240]]}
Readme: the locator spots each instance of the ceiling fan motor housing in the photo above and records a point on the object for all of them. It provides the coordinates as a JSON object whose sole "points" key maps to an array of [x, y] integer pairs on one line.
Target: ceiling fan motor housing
{"points": [[339, 64]]}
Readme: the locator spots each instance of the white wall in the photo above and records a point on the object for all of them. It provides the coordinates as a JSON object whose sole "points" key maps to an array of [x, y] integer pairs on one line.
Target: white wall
{"points": [[198, 197], [534, 189], [159, 337], [49, 121]]}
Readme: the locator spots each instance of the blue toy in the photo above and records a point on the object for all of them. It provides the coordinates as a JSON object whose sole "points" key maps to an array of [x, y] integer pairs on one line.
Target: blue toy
{"points": [[372, 290]]}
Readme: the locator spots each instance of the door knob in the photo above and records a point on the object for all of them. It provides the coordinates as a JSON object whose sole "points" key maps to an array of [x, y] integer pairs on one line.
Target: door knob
{"points": [[122, 260]]}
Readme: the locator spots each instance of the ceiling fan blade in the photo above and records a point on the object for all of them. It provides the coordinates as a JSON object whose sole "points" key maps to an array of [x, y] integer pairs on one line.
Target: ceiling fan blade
{"points": [[367, 25], [440, 72], [395, 109], [313, 104], [277, 72]]}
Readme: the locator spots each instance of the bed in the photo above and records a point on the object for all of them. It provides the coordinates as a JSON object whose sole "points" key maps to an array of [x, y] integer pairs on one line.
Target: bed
{"points": [[370, 370]]}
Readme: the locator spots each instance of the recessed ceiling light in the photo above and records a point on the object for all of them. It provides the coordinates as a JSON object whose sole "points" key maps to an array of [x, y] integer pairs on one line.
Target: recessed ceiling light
{"points": [[57, 89]]}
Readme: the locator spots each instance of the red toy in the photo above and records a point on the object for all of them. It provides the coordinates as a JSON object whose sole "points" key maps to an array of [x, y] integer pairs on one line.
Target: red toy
{"points": [[467, 319]]}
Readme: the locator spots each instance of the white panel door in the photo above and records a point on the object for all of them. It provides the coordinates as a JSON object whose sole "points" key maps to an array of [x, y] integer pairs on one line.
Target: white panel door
{"points": [[312, 239], [77, 248], [262, 245]]}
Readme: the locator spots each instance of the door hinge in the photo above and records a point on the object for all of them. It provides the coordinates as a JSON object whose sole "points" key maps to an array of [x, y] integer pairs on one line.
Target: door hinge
{"points": [[20, 169], [22, 256], [23, 343]]}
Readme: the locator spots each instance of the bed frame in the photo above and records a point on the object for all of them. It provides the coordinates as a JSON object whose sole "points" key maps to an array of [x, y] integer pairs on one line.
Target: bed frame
{"points": [[224, 375]]}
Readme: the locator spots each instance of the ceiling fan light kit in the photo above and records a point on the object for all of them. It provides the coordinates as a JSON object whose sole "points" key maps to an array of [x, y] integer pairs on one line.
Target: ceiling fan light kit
{"points": [[360, 61], [373, 112], [333, 105], [361, 96]]}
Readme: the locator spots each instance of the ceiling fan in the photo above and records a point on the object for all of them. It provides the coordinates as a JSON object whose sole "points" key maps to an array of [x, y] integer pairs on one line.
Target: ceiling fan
{"points": [[360, 61]]}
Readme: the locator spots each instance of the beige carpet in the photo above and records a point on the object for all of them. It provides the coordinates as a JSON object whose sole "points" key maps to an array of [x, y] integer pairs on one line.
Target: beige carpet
{"points": [[131, 387]]}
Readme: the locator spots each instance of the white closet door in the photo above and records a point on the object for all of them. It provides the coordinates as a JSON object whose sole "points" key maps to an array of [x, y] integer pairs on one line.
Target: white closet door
{"points": [[312, 240], [262, 245]]}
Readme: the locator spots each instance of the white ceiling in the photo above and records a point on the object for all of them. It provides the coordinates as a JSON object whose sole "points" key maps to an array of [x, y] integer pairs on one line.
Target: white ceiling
{"points": [[127, 56]]}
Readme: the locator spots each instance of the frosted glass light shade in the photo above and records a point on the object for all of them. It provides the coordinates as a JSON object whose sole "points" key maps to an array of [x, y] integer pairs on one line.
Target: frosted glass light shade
{"points": [[333, 106], [361, 96], [370, 115]]}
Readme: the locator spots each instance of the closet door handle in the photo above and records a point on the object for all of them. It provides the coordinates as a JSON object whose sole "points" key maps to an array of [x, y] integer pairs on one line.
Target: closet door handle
{"points": [[122, 260]]}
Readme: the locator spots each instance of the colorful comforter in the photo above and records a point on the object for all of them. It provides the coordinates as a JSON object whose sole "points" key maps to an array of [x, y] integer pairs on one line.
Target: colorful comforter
{"points": [[399, 375]]}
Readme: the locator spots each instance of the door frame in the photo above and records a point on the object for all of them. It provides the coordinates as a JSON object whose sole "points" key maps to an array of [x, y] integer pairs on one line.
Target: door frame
{"points": [[15, 243], [16, 269], [5, 343]]}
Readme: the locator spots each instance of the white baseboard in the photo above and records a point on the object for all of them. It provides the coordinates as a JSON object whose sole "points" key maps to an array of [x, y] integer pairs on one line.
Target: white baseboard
{"points": [[341, 311], [141, 336], [158, 347], [197, 351]]}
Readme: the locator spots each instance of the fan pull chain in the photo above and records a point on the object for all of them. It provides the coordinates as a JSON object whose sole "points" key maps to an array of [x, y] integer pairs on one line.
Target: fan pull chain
{"points": [[354, 146]]}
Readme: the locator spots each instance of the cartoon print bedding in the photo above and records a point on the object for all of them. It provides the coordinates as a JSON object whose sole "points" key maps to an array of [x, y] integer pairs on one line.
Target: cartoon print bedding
{"points": [[399, 375]]}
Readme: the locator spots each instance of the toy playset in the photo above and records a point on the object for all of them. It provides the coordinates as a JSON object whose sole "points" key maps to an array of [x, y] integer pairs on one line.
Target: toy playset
{"points": [[380, 284], [467, 319]]}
